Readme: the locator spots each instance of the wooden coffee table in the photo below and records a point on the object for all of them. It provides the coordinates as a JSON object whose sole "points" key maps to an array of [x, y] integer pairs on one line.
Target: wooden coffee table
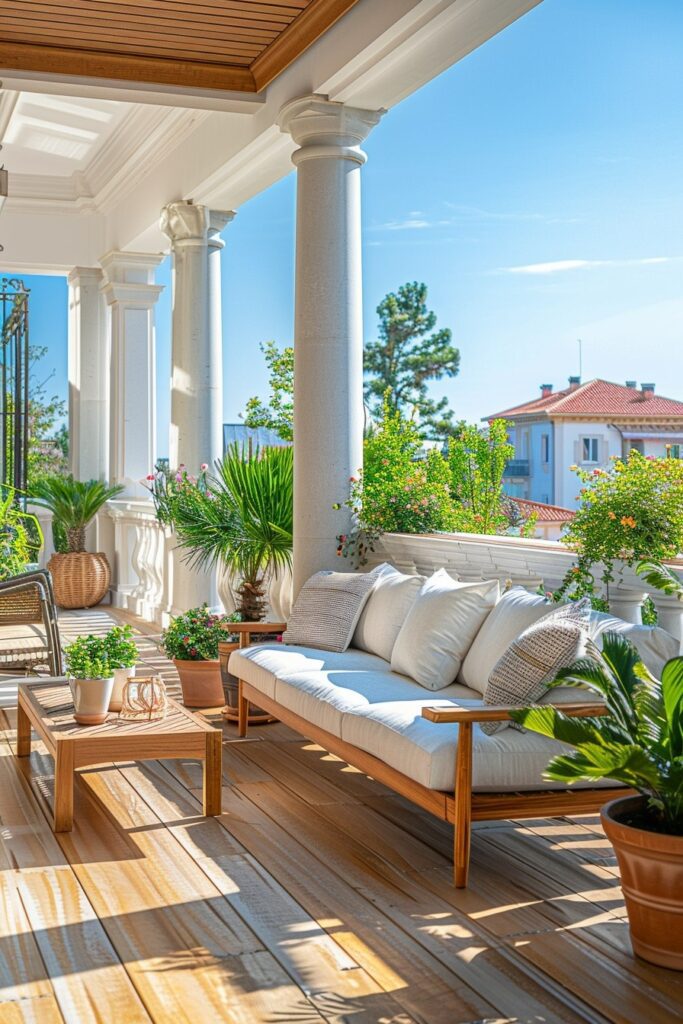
{"points": [[46, 706]]}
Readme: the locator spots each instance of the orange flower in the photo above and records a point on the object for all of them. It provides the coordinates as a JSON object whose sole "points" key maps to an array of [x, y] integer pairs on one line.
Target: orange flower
{"points": [[628, 521], [612, 515]]}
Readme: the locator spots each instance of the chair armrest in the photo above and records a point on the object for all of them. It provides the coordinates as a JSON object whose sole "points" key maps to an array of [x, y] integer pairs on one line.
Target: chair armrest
{"points": [[257, 627], [501, 712]]}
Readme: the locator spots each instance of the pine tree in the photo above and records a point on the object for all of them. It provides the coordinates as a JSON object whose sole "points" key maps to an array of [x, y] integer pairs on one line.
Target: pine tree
{"points": [[406, 357]]}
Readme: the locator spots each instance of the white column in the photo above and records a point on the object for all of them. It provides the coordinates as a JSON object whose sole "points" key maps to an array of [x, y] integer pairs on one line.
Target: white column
{"points": [[328, 331], [131, 294], [197, 365], [88, 376]]}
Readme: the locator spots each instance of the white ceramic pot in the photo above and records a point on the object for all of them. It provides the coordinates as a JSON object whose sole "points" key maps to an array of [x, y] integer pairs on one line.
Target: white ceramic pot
{"points": [[121, 677], [91, 699]]}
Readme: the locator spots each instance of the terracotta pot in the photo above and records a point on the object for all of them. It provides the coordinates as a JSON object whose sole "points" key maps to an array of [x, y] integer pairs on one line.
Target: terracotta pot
{"points": [[121, 677], [80, 579], [651, 865], [91, 699], [201, 683], [231, 688]]}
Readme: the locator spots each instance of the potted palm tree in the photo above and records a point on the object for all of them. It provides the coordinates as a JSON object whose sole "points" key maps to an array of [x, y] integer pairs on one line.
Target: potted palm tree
{"points": [[240, 519], [639, 742], [81, 578]]}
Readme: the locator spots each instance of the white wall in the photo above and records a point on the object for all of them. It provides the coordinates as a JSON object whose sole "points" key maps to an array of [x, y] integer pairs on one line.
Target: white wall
{"points": [[568, 437]]}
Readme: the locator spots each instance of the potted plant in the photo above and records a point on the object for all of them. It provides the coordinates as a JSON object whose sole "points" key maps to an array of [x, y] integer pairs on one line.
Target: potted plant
{"points": [[191, 642], [80, 578], [90, 679], [241, 519], [639, 742], [122, 654]]}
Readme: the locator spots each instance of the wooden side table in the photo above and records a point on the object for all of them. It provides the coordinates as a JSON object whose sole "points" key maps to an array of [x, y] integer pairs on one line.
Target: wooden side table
{"points": [[46, 706]]}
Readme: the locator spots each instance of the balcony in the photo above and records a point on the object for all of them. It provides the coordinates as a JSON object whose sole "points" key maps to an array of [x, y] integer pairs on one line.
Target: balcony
{"points": [[517, 467]]}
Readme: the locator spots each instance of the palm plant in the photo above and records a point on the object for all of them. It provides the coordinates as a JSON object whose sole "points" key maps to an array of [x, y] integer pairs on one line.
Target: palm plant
{"points": [[241, 519], [73, 504], [661, 577], [639, 742]]}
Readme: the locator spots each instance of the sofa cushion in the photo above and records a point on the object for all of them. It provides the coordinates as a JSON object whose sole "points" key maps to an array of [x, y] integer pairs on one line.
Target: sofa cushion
{"points": [[385, 611], [654, 645], [533, 659], [515, 612], [327, 609], [259, 665], [425, 751], [440, 627]]}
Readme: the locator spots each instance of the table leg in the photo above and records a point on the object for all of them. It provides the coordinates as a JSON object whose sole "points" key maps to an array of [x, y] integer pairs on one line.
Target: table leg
{"points": [[23, 732], [213, 773], [64, 786]]}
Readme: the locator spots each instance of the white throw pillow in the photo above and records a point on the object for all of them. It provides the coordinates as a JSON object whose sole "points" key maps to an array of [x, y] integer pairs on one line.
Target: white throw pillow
{"points": [[515, 612], [440, 627], [654, 645], [327, 609], [385, 611]]}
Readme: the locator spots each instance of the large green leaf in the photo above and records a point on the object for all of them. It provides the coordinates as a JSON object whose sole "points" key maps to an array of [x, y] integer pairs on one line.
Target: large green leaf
{"points": [[549, 721], [661, 577], [672, 698]]}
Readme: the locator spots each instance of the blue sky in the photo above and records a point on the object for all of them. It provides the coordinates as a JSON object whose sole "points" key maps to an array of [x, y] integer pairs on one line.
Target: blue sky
{"points": [[536, 187]]}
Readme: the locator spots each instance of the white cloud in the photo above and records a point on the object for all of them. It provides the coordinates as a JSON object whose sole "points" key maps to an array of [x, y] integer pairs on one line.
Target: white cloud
{"points": [[408, 224], [560, 266]]}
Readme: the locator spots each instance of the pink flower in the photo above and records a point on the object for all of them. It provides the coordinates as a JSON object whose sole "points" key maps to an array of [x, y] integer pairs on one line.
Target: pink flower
{"points": [[204, 466], [150, 476], [179, 478]]}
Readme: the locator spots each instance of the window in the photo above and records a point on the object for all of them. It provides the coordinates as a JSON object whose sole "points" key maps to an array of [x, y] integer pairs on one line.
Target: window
{"points": [[589, 449], [545, 448], [675, 451]]}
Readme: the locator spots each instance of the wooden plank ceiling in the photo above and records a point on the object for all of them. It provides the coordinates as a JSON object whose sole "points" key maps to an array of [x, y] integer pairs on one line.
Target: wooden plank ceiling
{"points": [[217, 44]]}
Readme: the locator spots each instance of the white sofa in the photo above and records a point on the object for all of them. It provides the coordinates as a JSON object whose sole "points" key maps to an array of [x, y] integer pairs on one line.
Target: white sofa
{"points": [[357, 707]]}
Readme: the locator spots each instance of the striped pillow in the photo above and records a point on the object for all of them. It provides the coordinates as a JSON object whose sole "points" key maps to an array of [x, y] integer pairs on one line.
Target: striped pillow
{"points": [[522, 674], [328, 608]]}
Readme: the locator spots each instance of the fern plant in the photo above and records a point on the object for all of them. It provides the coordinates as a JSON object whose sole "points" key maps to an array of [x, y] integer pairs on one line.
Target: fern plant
{"points": [[241, 519], [73, 503], [639, 742]]}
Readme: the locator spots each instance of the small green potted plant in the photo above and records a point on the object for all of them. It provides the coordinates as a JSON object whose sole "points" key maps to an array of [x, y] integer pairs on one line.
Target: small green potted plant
{"points": [[90, 678], [638, 742], [122, 654], [191, 642]]}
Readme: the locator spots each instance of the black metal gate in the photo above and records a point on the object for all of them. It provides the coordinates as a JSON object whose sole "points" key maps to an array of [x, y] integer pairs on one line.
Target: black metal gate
{"points": [[14, 369]]}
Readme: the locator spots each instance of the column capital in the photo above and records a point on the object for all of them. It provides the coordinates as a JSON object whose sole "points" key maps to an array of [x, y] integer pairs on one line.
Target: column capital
{"points": [[130, 267], [185, 222], [78, 274], [324, 128]]}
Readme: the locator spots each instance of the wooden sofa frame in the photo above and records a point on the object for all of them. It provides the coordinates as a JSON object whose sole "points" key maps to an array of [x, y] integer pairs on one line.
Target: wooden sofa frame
{"points": [[463, 806]]}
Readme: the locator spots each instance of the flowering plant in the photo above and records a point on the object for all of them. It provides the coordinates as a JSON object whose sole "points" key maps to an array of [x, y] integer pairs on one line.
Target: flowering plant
{"points": [[195, 635], [170, 488], [631, 511]]}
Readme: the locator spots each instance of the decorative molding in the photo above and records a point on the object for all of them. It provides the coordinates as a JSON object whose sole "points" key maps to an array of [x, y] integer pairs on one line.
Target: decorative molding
{"points": [[8, 101]]}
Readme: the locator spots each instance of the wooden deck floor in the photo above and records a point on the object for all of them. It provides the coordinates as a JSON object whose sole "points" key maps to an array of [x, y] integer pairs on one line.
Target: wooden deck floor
{"points": [[317, 896]]}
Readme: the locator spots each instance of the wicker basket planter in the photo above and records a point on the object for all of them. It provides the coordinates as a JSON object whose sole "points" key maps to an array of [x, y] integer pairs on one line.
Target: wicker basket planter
{"points": [[80, 578]]}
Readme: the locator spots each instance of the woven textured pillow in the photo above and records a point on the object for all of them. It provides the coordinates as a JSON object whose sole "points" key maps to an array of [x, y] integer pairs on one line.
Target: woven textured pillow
{"points": [[533, 659], [327, 609]]}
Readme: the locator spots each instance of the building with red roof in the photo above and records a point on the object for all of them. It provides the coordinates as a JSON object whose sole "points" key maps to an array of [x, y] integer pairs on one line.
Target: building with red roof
{"points": [[584, 425]]}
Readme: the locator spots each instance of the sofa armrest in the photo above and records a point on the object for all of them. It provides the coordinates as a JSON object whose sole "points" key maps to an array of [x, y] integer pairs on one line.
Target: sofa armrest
{"points": [[501, 712]]}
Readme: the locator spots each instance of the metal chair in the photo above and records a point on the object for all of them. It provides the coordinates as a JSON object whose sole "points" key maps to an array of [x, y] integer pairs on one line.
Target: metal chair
{"points": [[28, 600]]}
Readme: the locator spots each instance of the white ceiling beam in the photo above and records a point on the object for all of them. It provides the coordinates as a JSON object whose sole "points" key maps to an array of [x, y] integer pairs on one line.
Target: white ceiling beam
{"points": [[131, 92]]}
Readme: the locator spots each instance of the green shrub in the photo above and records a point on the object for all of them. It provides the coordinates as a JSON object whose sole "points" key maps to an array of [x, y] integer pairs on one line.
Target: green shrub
{"points": [[86, 658], [195, 635], [120, 648]]}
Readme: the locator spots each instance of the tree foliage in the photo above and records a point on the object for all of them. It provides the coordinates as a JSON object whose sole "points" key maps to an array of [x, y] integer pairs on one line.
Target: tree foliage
{"points": [[408, 355], [477, 460], [278, 412]]}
